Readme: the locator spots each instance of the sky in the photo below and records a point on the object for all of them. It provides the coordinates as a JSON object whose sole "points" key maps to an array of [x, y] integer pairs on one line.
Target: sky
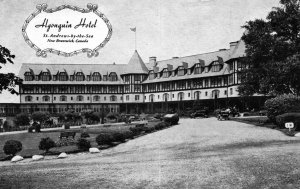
{"points": [[165, 28]]}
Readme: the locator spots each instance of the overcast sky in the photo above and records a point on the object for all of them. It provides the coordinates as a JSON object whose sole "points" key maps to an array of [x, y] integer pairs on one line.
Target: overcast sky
{"points": [[165, 28]]}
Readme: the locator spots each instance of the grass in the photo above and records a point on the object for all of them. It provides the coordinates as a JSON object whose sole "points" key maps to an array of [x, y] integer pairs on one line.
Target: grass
{"points": [[30, 141]]}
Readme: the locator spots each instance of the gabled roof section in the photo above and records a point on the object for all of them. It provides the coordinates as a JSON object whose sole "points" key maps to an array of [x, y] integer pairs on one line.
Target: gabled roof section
{"points": [[239, 50], [136, 65]]}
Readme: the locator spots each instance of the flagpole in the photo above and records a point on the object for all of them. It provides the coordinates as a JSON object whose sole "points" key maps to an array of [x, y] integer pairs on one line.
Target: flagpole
{"points": [[135, 39]]}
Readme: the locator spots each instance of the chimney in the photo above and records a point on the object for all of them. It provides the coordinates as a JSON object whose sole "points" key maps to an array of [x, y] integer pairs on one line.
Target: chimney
{"points": [[152, 60], [233, 45]]}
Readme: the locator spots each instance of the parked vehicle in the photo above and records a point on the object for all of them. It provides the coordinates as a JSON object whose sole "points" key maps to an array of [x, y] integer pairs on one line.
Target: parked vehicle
{"points": [[199, 113], [223, 115]]}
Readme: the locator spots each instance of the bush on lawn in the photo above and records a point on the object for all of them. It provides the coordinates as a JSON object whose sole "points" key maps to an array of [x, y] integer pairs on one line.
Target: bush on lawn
{"points": [[288, 117], [137, 130], [46, 144], [12, 147], [161, 126], [41, 117], [171, 119], [22, 119], [83, 144], [118, 137], [128, 134], [84, 135], [282, 104], [104, 139]]}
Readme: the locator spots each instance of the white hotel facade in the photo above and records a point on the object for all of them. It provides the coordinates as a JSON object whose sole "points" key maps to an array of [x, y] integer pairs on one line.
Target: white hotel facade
{"points": [[157, 86]]}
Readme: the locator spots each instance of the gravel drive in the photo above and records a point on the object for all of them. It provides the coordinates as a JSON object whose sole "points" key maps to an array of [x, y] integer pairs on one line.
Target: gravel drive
{"points": [[197, 153]]}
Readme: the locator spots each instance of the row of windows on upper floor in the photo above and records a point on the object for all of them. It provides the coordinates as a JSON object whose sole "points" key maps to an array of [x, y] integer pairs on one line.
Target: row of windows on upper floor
{"points": [[113, 98], [209, 82], [63, 76], [196, 69]]}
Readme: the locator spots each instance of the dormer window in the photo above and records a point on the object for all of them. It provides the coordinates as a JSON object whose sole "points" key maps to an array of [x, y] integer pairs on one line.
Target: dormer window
{"points": [[152, 75], [28, 76], [79, 76], [198, 69], [113, 76], [181, 71], [62, 76], [45, 76], [216, 67], [96, 76], [166, 73]]}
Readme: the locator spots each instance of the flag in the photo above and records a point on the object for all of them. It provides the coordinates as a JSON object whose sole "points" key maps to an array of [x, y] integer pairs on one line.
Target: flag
{"points": [[220, 60], [133, 29]]}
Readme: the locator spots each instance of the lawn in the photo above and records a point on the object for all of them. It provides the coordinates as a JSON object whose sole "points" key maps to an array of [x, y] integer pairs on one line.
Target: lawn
{"points": [[30, 141]]}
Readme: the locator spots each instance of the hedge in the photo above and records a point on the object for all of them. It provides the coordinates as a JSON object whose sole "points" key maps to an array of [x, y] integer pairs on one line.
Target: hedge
{"points": [[289, 117]]}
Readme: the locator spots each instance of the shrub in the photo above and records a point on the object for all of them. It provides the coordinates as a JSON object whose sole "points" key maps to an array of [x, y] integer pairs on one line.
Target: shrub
{"points": [[128, 134], [6, 126], [46, 144], [104, 139], [22, 119], [160, 126], [288, 117], [136, 130], [41, 117], [118, 137], [84, 135], [280, 105], [112, 115], [83, 144], [12, 147], [171, 119]]}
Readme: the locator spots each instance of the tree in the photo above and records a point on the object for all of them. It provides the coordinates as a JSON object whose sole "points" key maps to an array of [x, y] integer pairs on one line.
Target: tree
{"points": [[22, 119], [8, 81], [46, 144], [41, 117], [273, 52], [11, 147]]}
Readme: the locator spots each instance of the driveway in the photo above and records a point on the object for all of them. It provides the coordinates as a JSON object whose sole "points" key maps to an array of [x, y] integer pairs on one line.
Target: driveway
{"points": [[197, 153]]}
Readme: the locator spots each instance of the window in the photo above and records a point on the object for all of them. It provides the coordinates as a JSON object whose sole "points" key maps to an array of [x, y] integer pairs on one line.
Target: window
{"points": [[37, 98], [137, 88], [152, 75], [215, 93], [206, 93], [36, 77], [127, 97], [88, 98], [197, 95], [63, 76], [45, 76], [137, 78], [28, 98], [96, 76], [113, 98], [96, 98], [180, 96], [79, 76], [151, 97], [216, 67], [137, 97], [46, 98], [79, 98], [63, 98], [181, 71], [127, 78], [166, 73], [113, 77], [231, 66], [198, 69], [157, 96], [71, 98], [54, 98], [231, 91], [189, 94], [225, 92], [28, 76], [206, 82], [105, 98], [165, 97]]}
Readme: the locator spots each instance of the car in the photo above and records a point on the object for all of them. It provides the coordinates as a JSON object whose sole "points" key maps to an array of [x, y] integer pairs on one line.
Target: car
{"points": [[199, 113]]}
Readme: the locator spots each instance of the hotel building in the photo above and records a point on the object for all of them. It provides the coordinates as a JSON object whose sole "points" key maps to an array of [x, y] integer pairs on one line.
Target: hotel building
{"points": [[157, 86]]}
